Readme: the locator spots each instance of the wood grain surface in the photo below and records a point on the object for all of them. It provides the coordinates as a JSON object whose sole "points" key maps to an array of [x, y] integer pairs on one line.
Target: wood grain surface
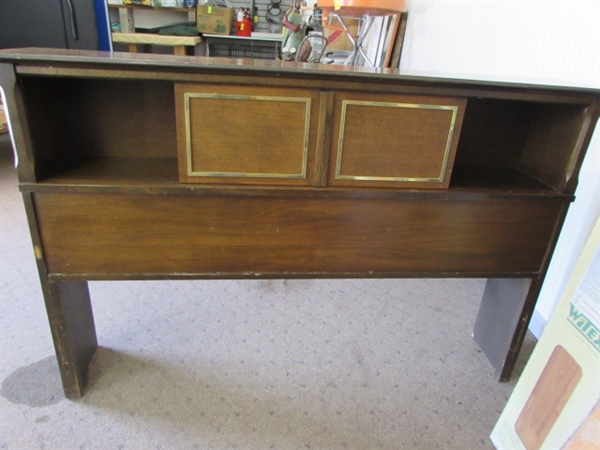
{"points": [[394, 141], [237, 134], [548, 399], [107, 235]]}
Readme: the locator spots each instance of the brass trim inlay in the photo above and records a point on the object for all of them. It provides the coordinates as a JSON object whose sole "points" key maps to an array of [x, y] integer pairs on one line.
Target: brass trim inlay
{"points": [[440, 178], [188, 135]]}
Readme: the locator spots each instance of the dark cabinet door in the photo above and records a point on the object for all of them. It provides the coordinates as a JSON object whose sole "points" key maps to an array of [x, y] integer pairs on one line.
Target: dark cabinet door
{"points": [[80, 24], [50, 24]]}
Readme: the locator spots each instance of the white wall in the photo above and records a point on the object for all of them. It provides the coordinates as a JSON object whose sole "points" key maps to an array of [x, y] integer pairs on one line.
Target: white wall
{"points": [[544, 42]]}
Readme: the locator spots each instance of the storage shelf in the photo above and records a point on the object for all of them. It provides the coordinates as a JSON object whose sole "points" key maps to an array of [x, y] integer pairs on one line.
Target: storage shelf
{"points": [[103, 170], [129, 135], [496, 179], [156, 172], [149, 8]]}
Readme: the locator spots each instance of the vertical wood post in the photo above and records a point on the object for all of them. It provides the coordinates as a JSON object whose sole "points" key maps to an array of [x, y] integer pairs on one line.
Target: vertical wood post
{"points": [[502, 321], [70, 316], [126, 20], [73, 331]]}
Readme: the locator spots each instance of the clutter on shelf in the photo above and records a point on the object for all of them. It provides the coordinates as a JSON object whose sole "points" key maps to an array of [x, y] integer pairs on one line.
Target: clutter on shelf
{"points": [[348, 32]]}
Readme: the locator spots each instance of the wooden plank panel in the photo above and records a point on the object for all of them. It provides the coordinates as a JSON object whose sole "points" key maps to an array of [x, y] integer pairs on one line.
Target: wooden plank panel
{"points": [[555, 139], [152, 235], [550, 395]]}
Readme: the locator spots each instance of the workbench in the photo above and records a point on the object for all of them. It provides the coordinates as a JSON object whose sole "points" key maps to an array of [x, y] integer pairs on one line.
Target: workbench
{"points": [[139, 167], [130, 36]]}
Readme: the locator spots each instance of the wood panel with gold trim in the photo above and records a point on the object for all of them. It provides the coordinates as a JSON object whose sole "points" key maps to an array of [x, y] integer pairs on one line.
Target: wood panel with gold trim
{"points": [[394, 140], [247, 135]]}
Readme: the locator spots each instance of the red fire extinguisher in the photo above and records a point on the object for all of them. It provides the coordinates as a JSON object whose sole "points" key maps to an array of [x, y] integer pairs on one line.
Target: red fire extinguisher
{"points": [[243, 23]]}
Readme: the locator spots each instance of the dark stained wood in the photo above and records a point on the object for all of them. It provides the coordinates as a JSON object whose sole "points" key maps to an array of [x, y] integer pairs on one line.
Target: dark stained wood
{"points": [[101, 144], [324, 137], [203, 235], [493, 134], [497, 331], [72, 324], [70, 316], [129, 170], [558, 134], [469, 192], [75, 119], [497, 179], [304, 75], [51, 62]]}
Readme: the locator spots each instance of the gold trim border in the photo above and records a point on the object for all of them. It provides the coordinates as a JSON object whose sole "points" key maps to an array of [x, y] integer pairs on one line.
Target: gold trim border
{"points": [[345, 103], [188, 135]]}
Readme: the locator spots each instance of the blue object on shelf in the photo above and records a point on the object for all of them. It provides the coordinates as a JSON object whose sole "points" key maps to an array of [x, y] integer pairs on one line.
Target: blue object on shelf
{"points": [[102, 25]]}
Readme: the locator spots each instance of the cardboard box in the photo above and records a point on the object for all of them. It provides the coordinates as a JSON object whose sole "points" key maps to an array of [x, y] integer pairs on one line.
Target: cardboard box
{"points": [[555, 402], [138, 2], [212, 19]]}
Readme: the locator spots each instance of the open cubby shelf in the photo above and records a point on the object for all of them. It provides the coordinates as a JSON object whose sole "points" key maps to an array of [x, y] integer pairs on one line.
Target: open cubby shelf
{"points": [[163, 172], [100, 170], [96, 131]]}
